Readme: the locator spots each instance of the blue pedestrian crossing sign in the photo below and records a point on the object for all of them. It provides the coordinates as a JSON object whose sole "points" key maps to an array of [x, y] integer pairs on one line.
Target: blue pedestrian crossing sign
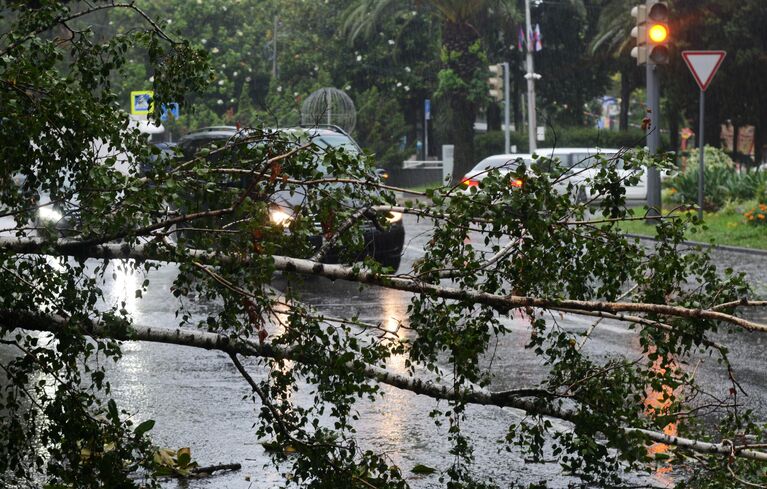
{"points": [[170, 110]]}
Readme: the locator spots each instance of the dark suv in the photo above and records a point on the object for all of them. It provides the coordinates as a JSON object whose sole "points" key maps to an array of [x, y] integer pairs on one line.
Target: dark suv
{"points": [[382, 243]]}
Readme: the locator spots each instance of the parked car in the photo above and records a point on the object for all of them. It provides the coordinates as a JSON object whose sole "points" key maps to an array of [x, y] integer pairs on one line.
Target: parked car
{"points": [[382, 243]]}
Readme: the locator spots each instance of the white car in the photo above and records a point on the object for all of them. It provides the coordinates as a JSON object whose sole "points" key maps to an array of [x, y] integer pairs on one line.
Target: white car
{"points": [[504, 163], [580, 163]]}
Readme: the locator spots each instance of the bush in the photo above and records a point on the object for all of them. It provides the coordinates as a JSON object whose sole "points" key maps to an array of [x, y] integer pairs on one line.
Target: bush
{"points": [[491, 143], [722, 184], [684, 187], [713, 158]]}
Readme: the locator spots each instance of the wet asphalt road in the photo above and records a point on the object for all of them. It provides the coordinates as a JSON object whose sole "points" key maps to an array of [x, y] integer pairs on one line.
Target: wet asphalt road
{"points": [[196, 397]]}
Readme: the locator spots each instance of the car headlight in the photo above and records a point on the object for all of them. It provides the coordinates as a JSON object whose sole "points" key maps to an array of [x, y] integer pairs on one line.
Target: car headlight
{"points": [[280, 216], [394, 217], [48, 214]]}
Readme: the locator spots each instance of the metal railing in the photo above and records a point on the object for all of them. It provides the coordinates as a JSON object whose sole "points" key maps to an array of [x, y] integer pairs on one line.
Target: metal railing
{"points": [[429, 165]]}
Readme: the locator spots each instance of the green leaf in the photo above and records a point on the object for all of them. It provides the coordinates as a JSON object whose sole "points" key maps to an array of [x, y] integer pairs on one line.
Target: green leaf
{"points": [[421, 469], [144, 427]]}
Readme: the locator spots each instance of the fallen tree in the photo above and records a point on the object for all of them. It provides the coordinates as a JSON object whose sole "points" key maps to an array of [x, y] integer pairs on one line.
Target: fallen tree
{"points": [[516, 398], [507, 249]]}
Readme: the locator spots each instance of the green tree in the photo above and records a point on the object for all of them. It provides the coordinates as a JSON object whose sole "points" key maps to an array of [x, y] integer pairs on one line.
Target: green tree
{"points": [[545, 256], [614, 39], [461, 86], [571, 76], [736, 93]]}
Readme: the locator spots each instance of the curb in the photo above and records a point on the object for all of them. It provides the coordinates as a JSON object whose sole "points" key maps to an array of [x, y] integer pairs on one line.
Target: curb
{"points": [[734, 249]]}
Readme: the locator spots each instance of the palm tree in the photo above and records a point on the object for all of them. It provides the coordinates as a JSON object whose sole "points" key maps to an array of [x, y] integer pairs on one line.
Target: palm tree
{"points": [[614, 38], [461, 87]]}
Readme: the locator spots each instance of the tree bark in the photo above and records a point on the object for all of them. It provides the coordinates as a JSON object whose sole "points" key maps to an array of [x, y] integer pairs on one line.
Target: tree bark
{"points": [[527, 400], [502, 303]]}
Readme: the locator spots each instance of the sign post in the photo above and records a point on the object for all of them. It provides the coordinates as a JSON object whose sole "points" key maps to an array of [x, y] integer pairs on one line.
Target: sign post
{"points": [[426, 119], [703, 65]]}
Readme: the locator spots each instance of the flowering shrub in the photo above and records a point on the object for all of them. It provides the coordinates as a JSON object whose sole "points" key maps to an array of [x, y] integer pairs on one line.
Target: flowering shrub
{"points": [[757, 216]]}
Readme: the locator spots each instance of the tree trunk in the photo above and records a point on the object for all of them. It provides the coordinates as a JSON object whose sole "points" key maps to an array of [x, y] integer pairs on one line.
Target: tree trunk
{"points": [[626, 89], [494, 117]]}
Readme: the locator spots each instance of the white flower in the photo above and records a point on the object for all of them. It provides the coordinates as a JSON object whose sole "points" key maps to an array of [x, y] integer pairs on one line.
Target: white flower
{"points": [[221, 83], [203, 41], [316, 68], [168, 21], [247, 79], [151, 79], [295, 94], [399, 84], [407, 68], [391, 42], [232, 100], [223, 8], [279, 89], [239, 33], [348, 87], [214, 50], [223, 66], [220, 102], [407, 88], [359, 57], [235, 73]]}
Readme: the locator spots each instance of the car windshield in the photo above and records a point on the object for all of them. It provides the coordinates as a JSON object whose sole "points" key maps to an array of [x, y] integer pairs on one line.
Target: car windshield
{"points": [[589, 160], [336, 141], [506, 162]]}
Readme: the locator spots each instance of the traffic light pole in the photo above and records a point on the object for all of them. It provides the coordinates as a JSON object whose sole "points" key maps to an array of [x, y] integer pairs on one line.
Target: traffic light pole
{"points": [[653, 140]]}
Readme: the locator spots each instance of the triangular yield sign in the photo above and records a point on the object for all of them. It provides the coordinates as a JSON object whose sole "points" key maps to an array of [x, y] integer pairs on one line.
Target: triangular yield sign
{"points": [[703, 65]]}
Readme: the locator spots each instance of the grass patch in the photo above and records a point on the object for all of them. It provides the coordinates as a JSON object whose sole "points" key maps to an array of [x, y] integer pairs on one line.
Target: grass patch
{"points": [[726, 227]]}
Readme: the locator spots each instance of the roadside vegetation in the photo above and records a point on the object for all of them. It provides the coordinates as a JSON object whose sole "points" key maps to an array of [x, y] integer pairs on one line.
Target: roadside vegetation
{"points": [[735, 202], [727, 227]]}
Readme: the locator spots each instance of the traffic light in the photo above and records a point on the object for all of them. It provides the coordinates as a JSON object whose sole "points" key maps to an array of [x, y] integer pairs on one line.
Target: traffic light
{"points": [[496, 82], [657, 32], [651, 33]]}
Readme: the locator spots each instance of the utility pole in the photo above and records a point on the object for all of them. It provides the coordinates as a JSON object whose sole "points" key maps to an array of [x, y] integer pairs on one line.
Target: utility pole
{"points": [[530, 76], [426, 119], [274, 47], [507, 108]]}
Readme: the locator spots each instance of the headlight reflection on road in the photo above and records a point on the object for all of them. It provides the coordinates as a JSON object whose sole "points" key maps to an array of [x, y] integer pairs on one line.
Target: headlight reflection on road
{"points": [[125, 283], [280, 216], [394, 217], [48, 214]]}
